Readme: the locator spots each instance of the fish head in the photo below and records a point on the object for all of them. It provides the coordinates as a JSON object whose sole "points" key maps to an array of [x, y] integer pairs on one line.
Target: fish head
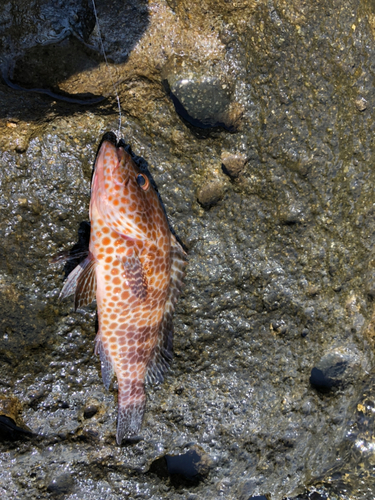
{"points": [[123, 195]]}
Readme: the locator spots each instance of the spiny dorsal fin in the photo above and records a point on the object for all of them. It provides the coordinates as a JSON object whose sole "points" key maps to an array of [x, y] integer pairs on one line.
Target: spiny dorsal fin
{"points": [[82, 283], [135, 276], [178, 264], [163, 352]]}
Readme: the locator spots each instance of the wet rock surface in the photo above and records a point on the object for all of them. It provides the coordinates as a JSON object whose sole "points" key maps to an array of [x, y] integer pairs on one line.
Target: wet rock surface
{"points": [[280, 265]]}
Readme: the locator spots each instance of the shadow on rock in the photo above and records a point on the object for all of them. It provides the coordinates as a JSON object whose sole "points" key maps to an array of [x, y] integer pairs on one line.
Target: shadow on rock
{"points": [[45, 45]]}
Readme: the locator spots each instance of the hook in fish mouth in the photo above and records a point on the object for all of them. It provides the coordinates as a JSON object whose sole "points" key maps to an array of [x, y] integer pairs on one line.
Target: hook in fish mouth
{"points": [[111, 137]]}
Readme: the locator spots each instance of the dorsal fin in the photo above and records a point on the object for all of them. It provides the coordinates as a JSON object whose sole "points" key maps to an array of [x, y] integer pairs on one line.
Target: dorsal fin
{"points": [[82, 283], [163, 351]]}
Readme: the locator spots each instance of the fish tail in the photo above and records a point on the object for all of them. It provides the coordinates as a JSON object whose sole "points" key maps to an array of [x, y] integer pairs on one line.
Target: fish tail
{"points": [[129, 419], [131, 407]]}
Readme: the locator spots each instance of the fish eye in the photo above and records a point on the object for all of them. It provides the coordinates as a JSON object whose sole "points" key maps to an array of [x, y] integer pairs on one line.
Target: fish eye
{"points": [[142, 181]]}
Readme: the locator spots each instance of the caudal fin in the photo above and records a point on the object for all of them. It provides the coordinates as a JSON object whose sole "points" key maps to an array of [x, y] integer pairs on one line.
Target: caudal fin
{"points": [[129, 419]]}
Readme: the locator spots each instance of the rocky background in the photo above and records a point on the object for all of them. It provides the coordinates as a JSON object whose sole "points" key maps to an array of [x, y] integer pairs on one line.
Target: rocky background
{"points": [[256, 121]]}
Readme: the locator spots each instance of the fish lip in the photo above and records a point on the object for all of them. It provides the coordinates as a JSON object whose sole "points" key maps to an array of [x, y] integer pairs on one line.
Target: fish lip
{"points": [[110, 137], [107, 137], [118, 147]]}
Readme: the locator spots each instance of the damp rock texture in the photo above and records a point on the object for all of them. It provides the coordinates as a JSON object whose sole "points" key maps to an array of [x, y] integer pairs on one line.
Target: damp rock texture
{"points": [[256, 121]]}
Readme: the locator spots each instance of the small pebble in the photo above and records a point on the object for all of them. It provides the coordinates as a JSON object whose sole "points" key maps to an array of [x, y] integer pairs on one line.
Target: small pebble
{"points": [[90, 409], [361, 104], [279, 326], [210, 193], [304, 332], [233, 164]]}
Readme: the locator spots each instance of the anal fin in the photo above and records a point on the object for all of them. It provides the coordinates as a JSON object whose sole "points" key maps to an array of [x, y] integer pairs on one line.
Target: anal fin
{"points": [[105, 362]]}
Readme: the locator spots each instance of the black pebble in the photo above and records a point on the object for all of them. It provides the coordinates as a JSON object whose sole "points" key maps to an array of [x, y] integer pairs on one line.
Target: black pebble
{"points": [[61, 485], [328, 379], [90, 411]]}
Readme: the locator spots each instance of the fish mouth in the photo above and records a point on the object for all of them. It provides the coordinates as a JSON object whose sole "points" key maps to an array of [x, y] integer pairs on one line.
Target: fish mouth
{"points": [[108, 139], [112, 139]]}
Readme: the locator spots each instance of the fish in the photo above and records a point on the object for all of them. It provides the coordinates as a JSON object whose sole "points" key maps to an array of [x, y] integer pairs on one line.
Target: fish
{"points": [[134, 270]]}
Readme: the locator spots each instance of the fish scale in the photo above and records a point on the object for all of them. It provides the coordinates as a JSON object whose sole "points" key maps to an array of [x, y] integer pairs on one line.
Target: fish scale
{"points": [[134, 270]]}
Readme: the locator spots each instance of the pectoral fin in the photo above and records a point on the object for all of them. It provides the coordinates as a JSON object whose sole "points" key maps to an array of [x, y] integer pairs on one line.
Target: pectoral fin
{"points": [[82, 283], [135, 276]]}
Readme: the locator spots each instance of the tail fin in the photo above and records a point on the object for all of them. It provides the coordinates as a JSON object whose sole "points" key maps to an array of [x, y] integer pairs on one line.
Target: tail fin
{"points": [[129, 419]]}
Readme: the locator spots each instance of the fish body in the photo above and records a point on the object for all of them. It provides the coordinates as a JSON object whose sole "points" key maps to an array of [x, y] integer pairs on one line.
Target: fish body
{"points": [[134, 270]]}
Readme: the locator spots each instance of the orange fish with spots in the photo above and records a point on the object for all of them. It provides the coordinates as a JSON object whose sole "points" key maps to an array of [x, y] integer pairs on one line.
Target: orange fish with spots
{"points": [[134, 270]]}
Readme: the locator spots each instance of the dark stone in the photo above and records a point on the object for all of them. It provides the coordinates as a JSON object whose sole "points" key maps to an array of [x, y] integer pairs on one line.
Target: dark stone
{"points": [[201, 101], [61, 485], [186, 464], [183, 469], [335, 370], [320, 381], [90, 410]]}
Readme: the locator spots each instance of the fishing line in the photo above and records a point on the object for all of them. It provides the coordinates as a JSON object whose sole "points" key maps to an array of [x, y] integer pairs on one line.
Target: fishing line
{"points": [[108, 69]]}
